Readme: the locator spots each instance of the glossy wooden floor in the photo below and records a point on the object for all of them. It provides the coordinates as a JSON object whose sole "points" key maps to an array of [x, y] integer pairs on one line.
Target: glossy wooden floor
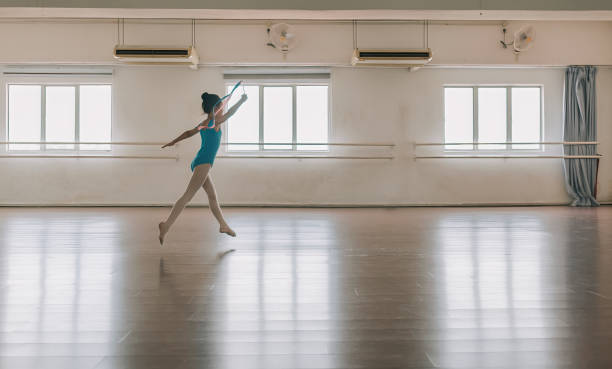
{"points": [[307, 288]]}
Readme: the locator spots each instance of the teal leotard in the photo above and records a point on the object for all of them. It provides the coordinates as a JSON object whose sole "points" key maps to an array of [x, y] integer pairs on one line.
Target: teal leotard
{"points": [[211, 139]]}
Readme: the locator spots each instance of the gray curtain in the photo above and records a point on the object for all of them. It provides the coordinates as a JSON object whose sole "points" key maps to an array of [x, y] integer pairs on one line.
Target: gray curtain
{"points": [[580, 124]]}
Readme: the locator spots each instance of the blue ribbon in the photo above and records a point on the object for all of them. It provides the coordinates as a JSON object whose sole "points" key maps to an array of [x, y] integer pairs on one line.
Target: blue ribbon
{"points": [[212, 120]]}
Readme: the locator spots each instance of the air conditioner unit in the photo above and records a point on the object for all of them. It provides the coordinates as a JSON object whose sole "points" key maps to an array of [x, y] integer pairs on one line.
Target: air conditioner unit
{"points": [[413, 59], [157, 55]]}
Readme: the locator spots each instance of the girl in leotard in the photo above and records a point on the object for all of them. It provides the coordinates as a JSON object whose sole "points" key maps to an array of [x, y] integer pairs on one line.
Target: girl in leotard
{"points": [[210, 132]]}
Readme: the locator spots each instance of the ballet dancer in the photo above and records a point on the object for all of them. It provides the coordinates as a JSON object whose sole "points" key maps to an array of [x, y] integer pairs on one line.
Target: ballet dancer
{"points": [[210, 132]]}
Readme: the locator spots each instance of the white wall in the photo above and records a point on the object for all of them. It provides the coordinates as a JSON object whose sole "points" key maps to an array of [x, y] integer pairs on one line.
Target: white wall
{"points": [[157, 103], [321, 43]]}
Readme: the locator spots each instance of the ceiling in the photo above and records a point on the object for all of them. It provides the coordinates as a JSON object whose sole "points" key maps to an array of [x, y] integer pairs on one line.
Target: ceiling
{"points": [[313, 9]]}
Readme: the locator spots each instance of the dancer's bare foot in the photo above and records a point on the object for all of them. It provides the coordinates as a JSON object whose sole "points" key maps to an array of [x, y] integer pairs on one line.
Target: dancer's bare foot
{"points": [[162, 232], [227, 230]]}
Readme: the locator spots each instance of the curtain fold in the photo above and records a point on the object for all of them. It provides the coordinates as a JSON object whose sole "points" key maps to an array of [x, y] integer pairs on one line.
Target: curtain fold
{"points": [[580, 124]]}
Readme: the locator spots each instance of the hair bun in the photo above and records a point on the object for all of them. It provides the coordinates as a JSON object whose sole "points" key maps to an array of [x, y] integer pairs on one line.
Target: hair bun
{"points": [[209, 101]]}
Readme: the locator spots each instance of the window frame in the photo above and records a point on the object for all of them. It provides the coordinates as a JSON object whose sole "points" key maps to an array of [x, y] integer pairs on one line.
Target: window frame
{"points": [[55, 81], [476, 121], [294, 144]]}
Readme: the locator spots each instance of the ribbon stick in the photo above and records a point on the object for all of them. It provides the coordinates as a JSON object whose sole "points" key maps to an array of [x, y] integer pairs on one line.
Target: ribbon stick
{"points": [[221, 101]]}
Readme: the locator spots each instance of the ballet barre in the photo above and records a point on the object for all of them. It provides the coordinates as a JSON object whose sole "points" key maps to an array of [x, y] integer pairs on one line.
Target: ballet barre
{"points": [[303, 157], [20, 154], [506, 143], [501, 156], [310, 144], [131, 143], [55, 156], [81, 143], [507, 157]]}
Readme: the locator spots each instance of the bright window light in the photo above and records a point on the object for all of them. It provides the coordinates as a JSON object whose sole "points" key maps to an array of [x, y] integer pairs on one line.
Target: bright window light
{"points": [[312, 117], [60, 116], [495, 120], [280, 113], [459, 117], [492, 114], [244, 125], [95, 116], [24, 115], [526, 116], [278, 117], [59, 113]]}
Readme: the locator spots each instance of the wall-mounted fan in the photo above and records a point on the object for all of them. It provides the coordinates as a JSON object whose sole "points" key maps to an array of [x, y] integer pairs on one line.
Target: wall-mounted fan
{"points": [[523, 39], [281, 37]]}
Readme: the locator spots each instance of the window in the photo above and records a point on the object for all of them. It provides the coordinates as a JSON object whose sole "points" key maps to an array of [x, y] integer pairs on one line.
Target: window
{"points": [[280, 117], [494, 115], [59, 113]]}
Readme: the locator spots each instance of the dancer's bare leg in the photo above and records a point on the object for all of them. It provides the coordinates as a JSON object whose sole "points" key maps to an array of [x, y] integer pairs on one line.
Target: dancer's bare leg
{"points": [[209, 187], [197, 180]]}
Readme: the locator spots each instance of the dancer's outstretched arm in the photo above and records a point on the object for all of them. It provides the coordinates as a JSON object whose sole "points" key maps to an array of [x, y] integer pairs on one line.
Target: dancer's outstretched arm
{"points": [[188, 133]]}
